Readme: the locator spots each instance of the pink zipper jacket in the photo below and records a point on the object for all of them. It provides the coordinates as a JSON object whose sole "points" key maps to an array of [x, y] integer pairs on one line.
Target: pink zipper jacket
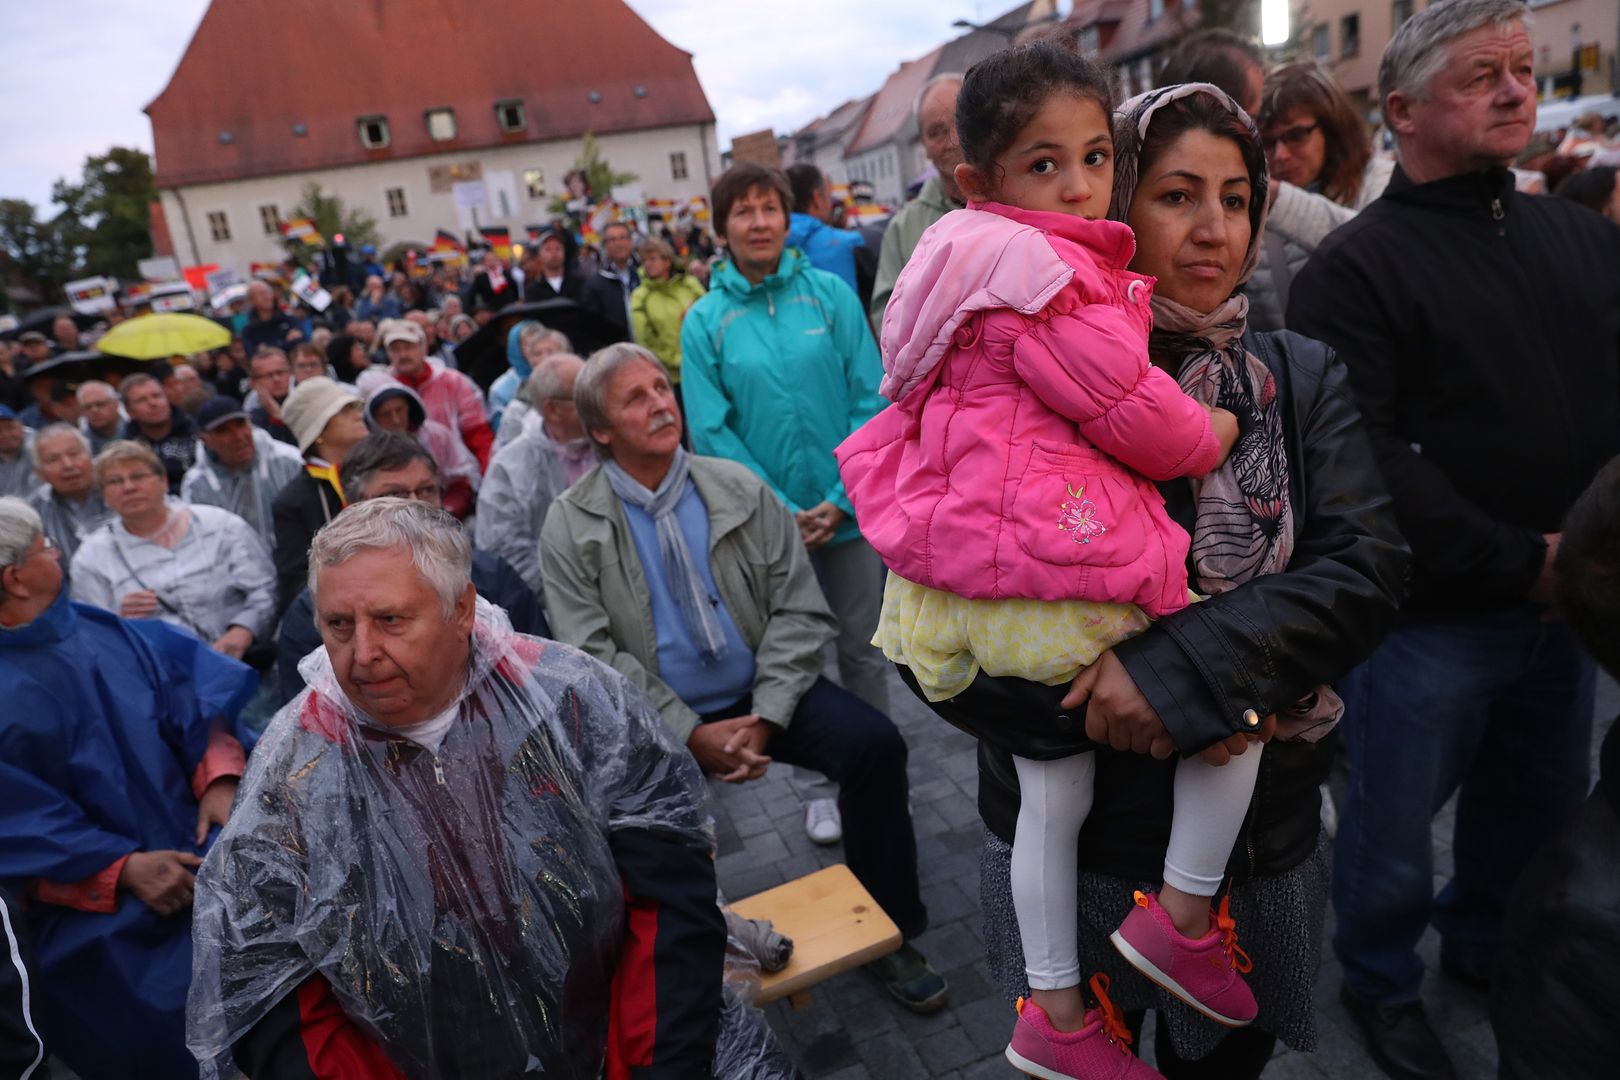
{"points": [[1028, 427]]}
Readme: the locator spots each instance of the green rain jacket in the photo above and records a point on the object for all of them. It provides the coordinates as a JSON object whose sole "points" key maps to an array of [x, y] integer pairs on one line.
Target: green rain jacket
{"points": [[776, 375]]}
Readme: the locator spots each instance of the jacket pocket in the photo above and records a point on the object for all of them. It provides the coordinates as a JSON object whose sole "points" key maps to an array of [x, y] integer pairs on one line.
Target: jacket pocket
{"points": [[1076, 506]]}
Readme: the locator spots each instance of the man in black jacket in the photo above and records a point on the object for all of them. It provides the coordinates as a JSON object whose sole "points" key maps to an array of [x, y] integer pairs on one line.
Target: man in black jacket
{"points": [[1481, 329], [608, 292], [547, 273]]}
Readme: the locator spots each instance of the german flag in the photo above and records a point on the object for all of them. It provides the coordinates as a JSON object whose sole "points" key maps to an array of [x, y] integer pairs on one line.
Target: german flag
{"points": [[499, 240], [446, 242]]}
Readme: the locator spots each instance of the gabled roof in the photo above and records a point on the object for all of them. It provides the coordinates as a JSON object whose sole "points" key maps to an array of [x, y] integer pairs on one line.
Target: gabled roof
{"points": [[1137, 35], [1098, 12], [838, 126], [891, 105], [262, 71]]}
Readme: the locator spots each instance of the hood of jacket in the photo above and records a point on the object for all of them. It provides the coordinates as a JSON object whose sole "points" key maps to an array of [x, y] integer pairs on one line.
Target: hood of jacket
{"points": [[987, 256], [727, 278], [514, 349], [801, 227], [413, 403]]}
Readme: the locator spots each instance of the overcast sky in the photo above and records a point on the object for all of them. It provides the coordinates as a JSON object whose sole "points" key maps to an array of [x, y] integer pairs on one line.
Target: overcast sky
{"points": [[77, 73]]}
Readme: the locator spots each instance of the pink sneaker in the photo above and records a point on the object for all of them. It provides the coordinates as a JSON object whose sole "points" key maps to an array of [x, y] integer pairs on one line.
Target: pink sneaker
{"points": [[1099, 1051], [1203, 973]]}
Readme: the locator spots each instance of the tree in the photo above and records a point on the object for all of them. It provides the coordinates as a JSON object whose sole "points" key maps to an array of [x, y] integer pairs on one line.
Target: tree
{"points": [[107, 215], [42, 252], [598, 174], [332, 217]]}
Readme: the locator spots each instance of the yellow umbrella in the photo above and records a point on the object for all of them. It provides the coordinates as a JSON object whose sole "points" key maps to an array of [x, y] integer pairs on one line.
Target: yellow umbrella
{"points": [[164, 334]]}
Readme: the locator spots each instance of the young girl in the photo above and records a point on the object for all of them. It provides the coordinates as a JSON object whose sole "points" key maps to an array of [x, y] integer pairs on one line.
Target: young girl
{"points": [[1011, 492]]}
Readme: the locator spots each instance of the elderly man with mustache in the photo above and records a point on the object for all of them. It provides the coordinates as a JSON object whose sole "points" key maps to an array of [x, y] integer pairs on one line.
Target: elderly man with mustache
{"points": [[690, 576]]}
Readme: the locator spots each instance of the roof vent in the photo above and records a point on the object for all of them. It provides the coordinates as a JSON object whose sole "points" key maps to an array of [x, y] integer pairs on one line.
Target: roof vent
{"points": [[639, 90], [226, 138], [300, 129], [595, 97]]}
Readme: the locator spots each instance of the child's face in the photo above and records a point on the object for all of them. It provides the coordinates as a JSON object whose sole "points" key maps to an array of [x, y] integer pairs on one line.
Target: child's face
{"points": [[1062, 162]]}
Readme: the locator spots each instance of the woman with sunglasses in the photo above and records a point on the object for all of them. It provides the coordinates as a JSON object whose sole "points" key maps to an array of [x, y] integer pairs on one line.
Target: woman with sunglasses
{"points": [[1316, 141]]}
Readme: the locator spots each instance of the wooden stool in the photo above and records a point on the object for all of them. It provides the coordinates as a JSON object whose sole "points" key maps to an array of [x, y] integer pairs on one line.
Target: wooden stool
{"points": [[834, 923]]}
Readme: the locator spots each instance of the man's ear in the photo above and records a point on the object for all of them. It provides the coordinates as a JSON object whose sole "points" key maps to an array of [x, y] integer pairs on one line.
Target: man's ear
{"points": [[1398, 110], [974, 184], [466, 609]]}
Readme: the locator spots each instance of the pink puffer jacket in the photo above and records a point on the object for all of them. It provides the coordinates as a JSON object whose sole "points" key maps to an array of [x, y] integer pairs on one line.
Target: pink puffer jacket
{"points": [[1028, 427]]}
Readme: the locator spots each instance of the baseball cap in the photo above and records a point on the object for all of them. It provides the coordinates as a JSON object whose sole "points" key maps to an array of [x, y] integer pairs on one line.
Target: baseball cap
{"points": [[219, 410], [32, 337], [401, 330]]}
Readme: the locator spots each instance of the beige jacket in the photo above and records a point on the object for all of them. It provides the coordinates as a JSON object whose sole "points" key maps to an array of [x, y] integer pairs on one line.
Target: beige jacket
{"points": [[597, 596]]}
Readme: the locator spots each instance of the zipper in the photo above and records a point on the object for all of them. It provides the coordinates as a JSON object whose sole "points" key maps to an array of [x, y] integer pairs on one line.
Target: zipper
{"points": [[770, 304], [438, 770], [1496, 209]]}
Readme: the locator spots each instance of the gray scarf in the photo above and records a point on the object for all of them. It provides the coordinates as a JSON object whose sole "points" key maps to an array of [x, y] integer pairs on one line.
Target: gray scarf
{"points": [[680, 568]]}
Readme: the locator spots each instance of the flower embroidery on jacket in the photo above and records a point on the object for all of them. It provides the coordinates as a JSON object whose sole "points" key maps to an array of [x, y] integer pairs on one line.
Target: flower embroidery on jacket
{"points": [[1078, 516]]}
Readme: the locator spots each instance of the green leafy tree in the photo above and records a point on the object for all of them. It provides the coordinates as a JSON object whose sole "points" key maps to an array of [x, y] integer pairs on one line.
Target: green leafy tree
{"points": [[332, 217], [598, 173], [107, 215], [42, 251]]}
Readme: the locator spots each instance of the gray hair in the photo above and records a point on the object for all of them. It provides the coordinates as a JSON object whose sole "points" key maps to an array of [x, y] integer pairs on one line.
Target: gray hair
{"points": [[1418, 51], [928, 88], [591, 388], [535, 331], [438, 545], [50, 431], [547, 378], [95, 384], [135, 382], [19, 528]]}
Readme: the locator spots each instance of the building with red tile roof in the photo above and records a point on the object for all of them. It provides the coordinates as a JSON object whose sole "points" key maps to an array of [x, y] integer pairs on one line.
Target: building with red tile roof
{"points": [[390, 103]]}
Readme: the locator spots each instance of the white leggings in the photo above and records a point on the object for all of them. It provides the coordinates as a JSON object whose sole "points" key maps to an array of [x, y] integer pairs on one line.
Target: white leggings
{"points": [[1055, 797]]}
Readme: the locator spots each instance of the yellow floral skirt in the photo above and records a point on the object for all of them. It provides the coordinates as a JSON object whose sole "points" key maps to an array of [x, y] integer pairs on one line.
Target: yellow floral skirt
{"points": [[946, 639]]}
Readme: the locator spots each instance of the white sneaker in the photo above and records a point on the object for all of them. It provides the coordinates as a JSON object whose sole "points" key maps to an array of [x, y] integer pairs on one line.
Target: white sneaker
{"points": [[821, 821]]}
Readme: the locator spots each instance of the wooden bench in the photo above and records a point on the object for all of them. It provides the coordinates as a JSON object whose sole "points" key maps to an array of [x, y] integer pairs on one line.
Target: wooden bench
{"points": [[835, 926]]}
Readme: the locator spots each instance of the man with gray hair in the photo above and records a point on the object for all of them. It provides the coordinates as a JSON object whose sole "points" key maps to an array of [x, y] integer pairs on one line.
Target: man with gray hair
{"points": [[532, 470], [120, 764], [1481, 333], [101, 416], [461, 851], [68, 502], [935, 115], [690, 577]]}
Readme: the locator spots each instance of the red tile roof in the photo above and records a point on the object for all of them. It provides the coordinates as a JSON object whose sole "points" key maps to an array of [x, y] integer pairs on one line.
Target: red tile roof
{"points": [[891, 106], [260, 72]]}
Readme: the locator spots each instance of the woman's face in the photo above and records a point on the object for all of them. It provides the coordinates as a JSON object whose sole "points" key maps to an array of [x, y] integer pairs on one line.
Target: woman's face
{"points": [[1190, 214], [655, 266], [1296, 147]]}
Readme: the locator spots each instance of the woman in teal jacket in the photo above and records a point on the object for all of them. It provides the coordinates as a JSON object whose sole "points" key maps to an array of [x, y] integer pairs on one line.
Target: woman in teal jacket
{"points": [[778, 368]]}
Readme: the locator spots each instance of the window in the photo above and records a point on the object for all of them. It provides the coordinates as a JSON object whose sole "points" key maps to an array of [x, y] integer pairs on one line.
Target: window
{"points": [[1090, 43], [373, 132], [509, 115], [1350, 35], [535, 181], [396, 201], [1155, 10], [441, 124], [1399, 12], [270, 219], [677, 165], [1322, 41], [219, 225]]}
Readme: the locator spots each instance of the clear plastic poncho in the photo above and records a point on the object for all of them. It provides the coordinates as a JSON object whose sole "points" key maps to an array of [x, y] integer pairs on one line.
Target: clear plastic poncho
{"points": [[463, 904]]}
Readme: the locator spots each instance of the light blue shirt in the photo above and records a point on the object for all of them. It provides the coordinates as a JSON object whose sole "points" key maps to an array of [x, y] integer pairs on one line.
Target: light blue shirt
{"points": [[705, 688]]}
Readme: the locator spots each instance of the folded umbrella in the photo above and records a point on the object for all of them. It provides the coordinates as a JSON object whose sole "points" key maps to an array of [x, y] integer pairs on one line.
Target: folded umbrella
{"points": [[162, 335]]}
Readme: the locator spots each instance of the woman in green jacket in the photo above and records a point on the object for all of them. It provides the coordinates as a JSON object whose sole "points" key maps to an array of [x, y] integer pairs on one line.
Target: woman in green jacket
{"points": [[659, 304], [781, 367]]}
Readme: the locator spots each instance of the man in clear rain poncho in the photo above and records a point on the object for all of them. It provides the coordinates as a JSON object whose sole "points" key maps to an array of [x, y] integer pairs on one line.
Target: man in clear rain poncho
{"points": [[461, 852]]}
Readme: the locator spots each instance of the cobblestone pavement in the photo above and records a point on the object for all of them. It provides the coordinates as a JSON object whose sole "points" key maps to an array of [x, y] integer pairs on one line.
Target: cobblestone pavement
{"points": [[853, 1031]]}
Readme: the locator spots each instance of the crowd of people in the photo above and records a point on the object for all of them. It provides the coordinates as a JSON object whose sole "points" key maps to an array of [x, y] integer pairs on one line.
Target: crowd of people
{"points": [[1182, 450]]}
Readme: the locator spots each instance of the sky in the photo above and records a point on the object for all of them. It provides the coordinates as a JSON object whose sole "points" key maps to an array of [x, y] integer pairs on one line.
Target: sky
{"points": [[78, 73]]}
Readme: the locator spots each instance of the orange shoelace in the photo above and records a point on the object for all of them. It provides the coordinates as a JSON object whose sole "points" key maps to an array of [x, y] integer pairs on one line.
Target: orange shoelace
{"points": [[1228, 928], [1113, 1021]]}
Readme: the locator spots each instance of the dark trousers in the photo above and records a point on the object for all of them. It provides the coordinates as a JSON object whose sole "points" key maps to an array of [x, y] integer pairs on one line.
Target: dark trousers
{"points": [[1242, 1055], [1495, 707], [835, 733]]}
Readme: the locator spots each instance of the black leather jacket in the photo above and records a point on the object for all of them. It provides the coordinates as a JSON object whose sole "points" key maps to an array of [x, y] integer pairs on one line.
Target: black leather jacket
{"points": [[1260, 646]]}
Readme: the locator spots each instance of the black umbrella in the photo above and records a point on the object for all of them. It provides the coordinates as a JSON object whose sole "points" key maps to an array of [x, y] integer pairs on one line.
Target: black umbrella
{"points": [[483, 356], [71, 367], [42, 319]]}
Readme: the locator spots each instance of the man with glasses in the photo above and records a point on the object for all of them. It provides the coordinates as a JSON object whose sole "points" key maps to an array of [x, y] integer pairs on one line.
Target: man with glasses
{"points": [[105, 840], [198, 567], [533, 469], [389, 465]]}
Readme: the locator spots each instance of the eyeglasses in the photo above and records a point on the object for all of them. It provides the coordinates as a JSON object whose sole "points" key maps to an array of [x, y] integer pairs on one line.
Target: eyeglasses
{"points": [[428, 493], [1293, 137]]}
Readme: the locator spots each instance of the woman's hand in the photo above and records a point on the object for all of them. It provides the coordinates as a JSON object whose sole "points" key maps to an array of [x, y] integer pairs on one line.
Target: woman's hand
{"points": [[140, 604], [1116, 711], [1225, 425], [818, 524]]}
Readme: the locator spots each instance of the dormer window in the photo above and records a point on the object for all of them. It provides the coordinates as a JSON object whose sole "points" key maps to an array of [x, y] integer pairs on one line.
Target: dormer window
{"points": [[510, 116], [373, 132], [441, 124]]}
